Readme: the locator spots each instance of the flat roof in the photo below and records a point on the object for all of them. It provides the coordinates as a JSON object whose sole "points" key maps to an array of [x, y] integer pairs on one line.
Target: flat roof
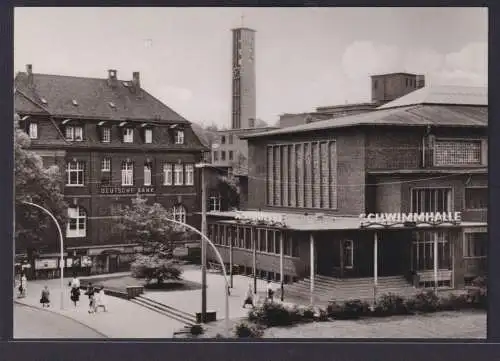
{"points": [[301, 222]]}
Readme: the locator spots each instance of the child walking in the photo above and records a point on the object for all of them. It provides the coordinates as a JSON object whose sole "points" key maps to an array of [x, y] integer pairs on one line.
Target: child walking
{"points": [[101, 299], [45, 297]]}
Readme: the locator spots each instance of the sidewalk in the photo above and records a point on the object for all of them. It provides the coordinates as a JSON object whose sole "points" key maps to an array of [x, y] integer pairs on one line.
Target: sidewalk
{"points": [[124, 319]]}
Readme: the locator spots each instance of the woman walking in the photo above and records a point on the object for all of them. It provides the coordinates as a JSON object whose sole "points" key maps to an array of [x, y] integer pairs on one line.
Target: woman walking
{"points": [[91, 293], [45, 297], [23, 286], [75, 290], [101, 299]]}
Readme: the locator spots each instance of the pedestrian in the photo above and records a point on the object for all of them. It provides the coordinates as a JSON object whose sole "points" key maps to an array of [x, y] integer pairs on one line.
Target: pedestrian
{"points": [[75, 282], [270, 291], [75, 290], [101, 300], [45, 297], [91, 293], [23, 286], [248, 297]]}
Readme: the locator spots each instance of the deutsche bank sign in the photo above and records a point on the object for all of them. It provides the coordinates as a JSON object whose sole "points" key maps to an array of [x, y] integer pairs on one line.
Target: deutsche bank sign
{"points": [[388, 218]]}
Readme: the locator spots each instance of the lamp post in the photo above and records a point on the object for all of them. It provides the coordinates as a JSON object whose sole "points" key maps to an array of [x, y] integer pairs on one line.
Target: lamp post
{"points": [[203, 243], [61, 241], [205, 239]]}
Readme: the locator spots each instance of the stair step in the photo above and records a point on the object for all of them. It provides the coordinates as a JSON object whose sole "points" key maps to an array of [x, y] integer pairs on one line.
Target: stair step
{"points": [[166, 310]]}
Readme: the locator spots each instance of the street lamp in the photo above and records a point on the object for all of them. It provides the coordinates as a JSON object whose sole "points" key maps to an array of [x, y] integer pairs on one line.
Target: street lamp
{"points": [[207, 240], [61, 261], [203, 244]]}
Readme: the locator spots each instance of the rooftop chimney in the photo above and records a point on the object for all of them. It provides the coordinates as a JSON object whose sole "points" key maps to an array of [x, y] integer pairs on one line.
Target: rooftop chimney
{"points": [[29, 71], [112, 77], [136, 80]]}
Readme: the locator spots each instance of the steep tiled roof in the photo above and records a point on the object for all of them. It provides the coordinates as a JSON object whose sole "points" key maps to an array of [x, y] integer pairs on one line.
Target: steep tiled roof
{"points": [[93, 97]]}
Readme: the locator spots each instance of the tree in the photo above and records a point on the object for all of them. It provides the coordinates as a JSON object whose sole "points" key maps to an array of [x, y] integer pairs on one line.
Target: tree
{"points": [[149, 226], [155, 267], [37, 184], [230, 189]]}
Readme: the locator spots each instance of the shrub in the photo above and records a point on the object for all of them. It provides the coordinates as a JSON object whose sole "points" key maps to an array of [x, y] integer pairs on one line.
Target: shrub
{"points": [[333, 309], [390, 304], [275, 314], [423, 302], [478, 293], [306, 314], [244, 330], [453, 302], [196, 330], [322, 315], [349, 310], [152, 267]]}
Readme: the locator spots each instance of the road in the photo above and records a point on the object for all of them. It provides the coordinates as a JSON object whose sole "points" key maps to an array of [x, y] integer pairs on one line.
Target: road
{"points": [[36, 323]]}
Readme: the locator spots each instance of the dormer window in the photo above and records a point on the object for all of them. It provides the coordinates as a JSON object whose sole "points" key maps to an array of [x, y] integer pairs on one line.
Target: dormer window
{"points": [[106, 134], [74, 133], [75, 103], [33, 130], [128, 135], [148, 136], [179, 137], [43, 100]]}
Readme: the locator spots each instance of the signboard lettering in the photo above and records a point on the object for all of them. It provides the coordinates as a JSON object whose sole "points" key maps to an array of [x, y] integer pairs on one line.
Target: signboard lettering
{"points": [[126, 190], [431, 217]]}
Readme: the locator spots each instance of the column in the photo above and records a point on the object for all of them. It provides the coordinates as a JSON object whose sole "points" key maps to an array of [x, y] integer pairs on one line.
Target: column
{"points": [[311, 267], [282, 276], [230, 233], [254, 260], [435, 262], [375, 266]]}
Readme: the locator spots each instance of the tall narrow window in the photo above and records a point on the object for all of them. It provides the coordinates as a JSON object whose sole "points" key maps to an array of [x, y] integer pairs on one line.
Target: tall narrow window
{"points": [[167, 174], [128, 135], [148, 136], [348, 249], [178, 175], [431, 200], [189, 170], [214, 203], [106, 165], [179, 137], [74, 133], [106, 135], [127, 174], [33, 131], [147, 174], [75, 173], [77, 219], [179, 213], [475, 245]]}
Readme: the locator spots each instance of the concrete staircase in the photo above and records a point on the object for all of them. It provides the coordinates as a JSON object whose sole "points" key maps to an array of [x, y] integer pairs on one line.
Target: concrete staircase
{"points": [[329, 288], [174, 313]]}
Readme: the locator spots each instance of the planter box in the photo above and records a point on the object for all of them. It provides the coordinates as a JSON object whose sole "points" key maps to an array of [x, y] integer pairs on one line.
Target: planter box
{"points": [[134, 291], [211, 316]]}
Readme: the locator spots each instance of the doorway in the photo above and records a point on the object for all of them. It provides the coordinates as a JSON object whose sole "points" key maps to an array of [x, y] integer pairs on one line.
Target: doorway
{"points": [[392, 255], [113, 263]]}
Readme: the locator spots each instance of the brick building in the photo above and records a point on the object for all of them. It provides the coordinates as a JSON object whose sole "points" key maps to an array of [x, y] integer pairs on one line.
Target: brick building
{"points": [[112, 140], [419, 163]]}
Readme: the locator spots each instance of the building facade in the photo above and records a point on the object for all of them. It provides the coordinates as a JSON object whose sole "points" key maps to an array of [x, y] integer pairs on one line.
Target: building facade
{"points": [[369, 195], [243, 91], [112, 141]]}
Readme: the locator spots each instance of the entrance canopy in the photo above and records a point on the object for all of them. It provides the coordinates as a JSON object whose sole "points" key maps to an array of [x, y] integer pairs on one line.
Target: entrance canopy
{"points": [[320, 222]]}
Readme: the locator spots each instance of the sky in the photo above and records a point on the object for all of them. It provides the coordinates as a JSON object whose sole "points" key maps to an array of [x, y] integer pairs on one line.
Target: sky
{"points": [[305, 57]]}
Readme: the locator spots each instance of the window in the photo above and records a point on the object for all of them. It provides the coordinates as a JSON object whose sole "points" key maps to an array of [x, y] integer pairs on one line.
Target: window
{"points": [[216, 156], [179, 137], [178, 172], [374, 84], [231, 155], [214, 203], [348, 254], [33, 130], [475, 245], [287, 240], [128, 135], [277, 242], [223, 139], [147, 174], [262, 240], [179, 213], [127, 173], [270, 241], [167, 174], [189, 170], [148, 136], [431, 200], [406, 82], [457, 152], [106, 165], [77, 220], [222, 155], [476, 198], [230, 138], [75, 171], [106, 135], [423, 250], [74, 133]]}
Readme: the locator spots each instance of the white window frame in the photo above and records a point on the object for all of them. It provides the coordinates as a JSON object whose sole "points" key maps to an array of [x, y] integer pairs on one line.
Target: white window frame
{"points": [[106, 164], [106, 135], [457, 140], [214, 203], [178, 175], [467, 248], [78, 214], [77, 167], [33, 130], [148, 168], [179, 213], [148, 136], [179, 137], [189, 174], [449, 200], [128, 135], [351, 255], [127, 174], [168, 175], [74, 133]]}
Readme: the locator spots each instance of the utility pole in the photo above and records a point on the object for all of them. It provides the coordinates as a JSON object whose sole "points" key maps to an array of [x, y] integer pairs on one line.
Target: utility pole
{"points": [[203, 245]]}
